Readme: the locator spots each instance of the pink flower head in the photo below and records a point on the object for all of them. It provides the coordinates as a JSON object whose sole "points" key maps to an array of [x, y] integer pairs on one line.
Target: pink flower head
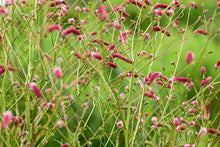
{"points": [[65, 145], [7, 118], [111, 47], [28, 144], [2, 71], [203, 70], [180, 128], [195, 103], [165, 6], [54, 27], [148, 2], [201, 32], [204, 82], [58, 72], [4, 11], [193, 5], [96, 56], [158, 28], [154, 119], [103, 14], [69, 31], [176, 3], [110, 64], [35, 89], [153, 77], [203, 131], [121, 57], [120, 124], [189, 57], [176, 23], [191, 111], [192, 123], [60, 123], [71, 20], [80, 38], [176, 122], [184, 80], [217, 65]]}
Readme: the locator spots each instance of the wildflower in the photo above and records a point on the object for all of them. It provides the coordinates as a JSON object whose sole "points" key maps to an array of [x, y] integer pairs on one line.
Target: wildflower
{"points": [[202, 131], [60, 123], [176, 23], [193, 5], [80, 38], [120, 124], [110, 64], [201, 32], [2, 71], [189, 57], [35, 89], [153, 77], [176, 122], [103, 12], [203, 70], [96, 56], [148, 2], [121, 57], [111, 47], [58, 72], [192, 123], [65, 145], [154, 119], [204, 82], [28, 144], [4, 11], [180, 128], [71, 20], [162, 6], [191, 111], [158, 28], [69, 31], [7, 118], [195, 103], [217, 65]]}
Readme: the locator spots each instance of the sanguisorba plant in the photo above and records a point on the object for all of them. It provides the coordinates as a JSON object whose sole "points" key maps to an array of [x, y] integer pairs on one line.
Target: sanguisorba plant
{"points": [[109, 73]]}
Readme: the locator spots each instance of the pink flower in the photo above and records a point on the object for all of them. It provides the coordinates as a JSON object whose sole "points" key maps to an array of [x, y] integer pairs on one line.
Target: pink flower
{"points": [[54, 27], [204, 82], [7, 118], [35, 89], [121, 57], [203, 70], [120, 124], [4, 11], [217, 65], [154, 119], [176, 122], [111, 47], [191, 111], [2, 71], [180, 128], [193, 5], [96, 56], [60, 123], [103, 12], [189, 57], [201, 32], [176, 23], [195, 103], [158, 28], [110, 64], [58, 72], [202, 131], [153, 77], [69, 31]]}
